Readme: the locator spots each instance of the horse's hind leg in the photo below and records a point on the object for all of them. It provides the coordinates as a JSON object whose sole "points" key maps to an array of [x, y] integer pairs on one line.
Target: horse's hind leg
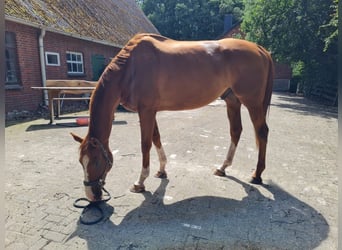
{"points": [[161, 154], [261, 132], [234, 116]]}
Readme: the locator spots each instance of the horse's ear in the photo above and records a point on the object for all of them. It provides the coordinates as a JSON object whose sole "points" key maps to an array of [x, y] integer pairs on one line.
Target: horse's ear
{"points": [[77, 138]]}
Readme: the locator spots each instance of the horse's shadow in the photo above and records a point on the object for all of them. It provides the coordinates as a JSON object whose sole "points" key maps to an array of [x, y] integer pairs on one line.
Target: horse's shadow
{"points": [[209, 222]]}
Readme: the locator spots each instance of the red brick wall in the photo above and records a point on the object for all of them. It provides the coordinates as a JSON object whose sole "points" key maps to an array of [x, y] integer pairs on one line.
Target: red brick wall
{"points": [[25, 98], [282, 71], [57, 43]]}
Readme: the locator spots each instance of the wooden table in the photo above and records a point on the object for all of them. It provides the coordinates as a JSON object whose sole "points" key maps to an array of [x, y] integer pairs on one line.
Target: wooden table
{"points": [[65, 87]]}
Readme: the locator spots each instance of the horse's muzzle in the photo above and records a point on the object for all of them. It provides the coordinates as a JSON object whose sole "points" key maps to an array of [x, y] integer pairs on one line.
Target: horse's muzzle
{"points": [[93, 189]]}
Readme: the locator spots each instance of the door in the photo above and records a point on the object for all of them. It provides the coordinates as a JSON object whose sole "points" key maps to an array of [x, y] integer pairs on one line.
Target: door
{"points": [[98, 65]]}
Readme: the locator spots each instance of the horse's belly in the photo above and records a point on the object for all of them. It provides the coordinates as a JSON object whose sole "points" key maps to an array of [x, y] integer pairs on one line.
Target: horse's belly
{"points": [[188, 99]]}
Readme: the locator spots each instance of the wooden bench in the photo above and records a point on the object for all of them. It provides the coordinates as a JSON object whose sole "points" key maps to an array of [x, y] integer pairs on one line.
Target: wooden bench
{"points": [[56, 88]]}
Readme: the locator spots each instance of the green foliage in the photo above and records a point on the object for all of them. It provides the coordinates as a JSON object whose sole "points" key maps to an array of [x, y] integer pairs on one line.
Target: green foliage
{"points": [[330, 30], [297, 68], [139, 2], [191, 19], [300, 32]]}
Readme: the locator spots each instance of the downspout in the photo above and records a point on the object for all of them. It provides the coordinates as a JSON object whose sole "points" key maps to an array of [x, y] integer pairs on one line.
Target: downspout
{"points": [[42, 63]]}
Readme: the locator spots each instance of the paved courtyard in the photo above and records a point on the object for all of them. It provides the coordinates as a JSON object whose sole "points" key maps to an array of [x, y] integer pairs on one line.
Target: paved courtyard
{"points": [[296, 208]]}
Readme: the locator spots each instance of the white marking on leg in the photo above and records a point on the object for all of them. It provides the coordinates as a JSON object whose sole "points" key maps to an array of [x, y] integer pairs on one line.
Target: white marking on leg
{"points": [[145, 172], [229, 159], [162, 158]]}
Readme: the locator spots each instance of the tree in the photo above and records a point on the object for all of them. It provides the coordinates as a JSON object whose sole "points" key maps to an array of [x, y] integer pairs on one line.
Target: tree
{"points": [[191, 19], [330, 30], [300, 32]]}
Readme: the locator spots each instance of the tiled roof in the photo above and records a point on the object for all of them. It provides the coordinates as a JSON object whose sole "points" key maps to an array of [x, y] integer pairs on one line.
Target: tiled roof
{"points": [[112, 21]]}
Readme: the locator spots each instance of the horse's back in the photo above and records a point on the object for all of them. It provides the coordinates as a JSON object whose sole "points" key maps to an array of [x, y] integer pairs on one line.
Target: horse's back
{"points": [[221, 53], [190, 74], [168, 45]]}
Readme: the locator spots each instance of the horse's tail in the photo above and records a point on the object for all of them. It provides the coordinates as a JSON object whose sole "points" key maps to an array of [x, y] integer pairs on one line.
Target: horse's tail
{"points": [[269, 84]]}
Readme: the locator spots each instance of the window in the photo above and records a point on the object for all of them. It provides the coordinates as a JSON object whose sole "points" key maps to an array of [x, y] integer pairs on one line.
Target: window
{"points": [[52, 59], [11, 60], [75, 63]]}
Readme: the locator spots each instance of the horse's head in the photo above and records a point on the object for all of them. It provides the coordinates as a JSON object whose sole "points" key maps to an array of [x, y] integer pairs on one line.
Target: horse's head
{"points": [[96, 160]]}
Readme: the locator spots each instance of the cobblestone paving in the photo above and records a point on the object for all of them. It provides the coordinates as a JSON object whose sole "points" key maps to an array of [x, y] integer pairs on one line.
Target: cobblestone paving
{"points": [[193, 209]]}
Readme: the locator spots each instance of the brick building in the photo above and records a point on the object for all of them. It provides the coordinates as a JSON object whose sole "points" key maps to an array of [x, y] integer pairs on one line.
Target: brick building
{"points": [[61, 39]]}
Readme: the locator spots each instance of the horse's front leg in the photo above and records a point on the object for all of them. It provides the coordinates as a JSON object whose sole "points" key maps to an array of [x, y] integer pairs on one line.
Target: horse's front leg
{"points": [[161, 154], [147, 124]]}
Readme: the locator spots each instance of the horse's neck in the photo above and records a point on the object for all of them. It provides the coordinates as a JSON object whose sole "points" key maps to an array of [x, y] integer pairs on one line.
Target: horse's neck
{"points": [[106, 98]]}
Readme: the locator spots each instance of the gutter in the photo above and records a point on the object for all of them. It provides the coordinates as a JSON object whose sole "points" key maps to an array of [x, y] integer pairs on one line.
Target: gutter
{"points": [[42, 63]]}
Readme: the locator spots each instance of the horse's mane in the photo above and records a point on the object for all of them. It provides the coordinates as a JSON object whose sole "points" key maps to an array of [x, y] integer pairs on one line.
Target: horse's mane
{"points": [[125, 52], [117, 64]]}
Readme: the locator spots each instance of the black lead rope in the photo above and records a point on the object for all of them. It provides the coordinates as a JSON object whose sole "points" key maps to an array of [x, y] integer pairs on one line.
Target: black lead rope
{"points": [[92, 206]]}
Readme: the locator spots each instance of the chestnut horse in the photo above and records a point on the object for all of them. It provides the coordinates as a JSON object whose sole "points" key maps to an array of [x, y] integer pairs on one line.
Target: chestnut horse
{"points": [[153, 73]]}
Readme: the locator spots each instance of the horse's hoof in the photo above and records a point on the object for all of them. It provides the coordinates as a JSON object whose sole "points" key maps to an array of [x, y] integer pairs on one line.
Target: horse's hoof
{"points": [[137, 189], [219, 172], [161, 175], [256, 180]]}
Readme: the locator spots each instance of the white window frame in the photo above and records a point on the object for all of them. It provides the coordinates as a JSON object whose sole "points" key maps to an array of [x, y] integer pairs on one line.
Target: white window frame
{"points": [[75, 64], [47, 53]]}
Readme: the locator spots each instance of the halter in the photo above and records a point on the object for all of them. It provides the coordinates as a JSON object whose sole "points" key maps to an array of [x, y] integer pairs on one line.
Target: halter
{"points": [[100, 182]]}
